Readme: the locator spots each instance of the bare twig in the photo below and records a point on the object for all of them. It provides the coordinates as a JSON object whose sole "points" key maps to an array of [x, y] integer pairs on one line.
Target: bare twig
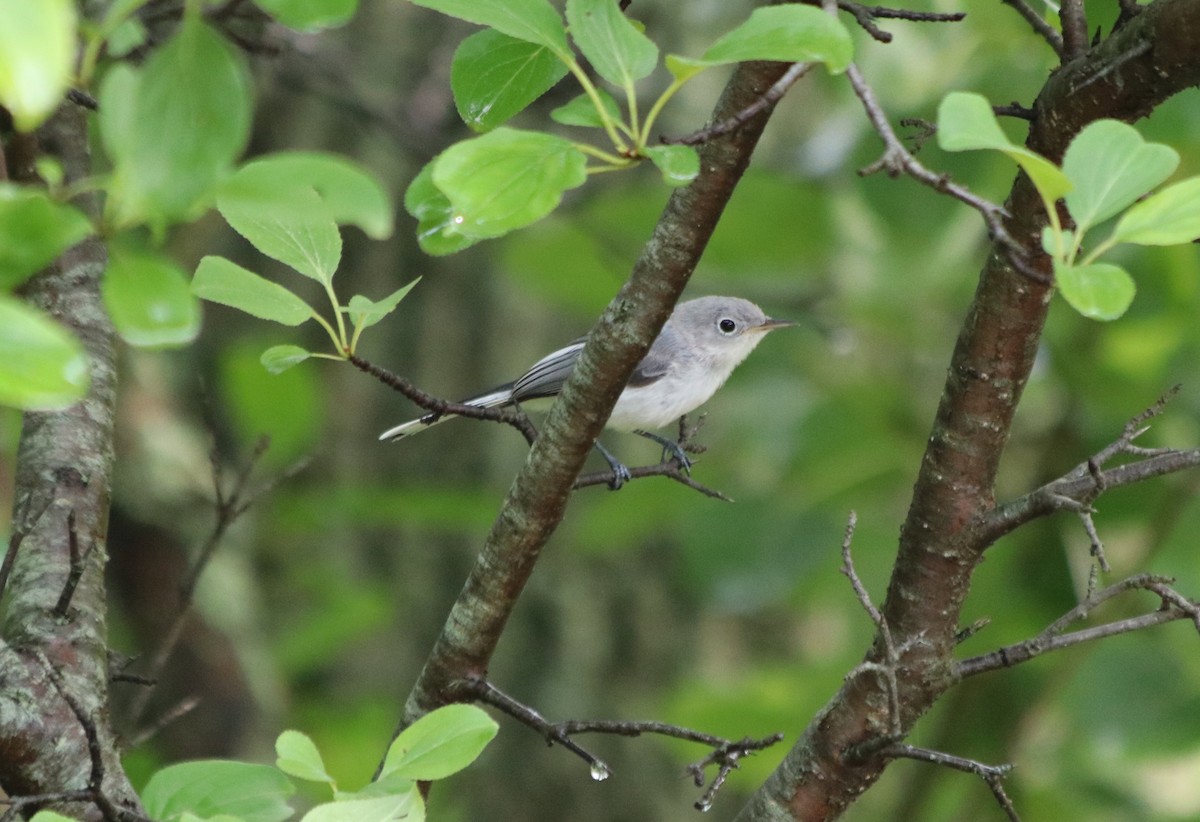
{"points": [[866, 16], [990, 774], [891, 657], [898, 160], [1115, 64], [509, 416], [1077, 489], [1015, 109], [1039, 25], [725, 753], [180, 710], [768, 98], [77, 562], [1174, 606]]}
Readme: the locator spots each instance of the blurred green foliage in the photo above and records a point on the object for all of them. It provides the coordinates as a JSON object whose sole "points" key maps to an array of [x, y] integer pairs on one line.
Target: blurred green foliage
{"points": [[655, 602]]}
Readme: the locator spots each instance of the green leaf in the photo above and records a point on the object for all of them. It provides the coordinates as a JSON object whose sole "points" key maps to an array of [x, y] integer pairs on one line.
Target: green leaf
{"points": [[34, 230], [407, 807], [794, 33], [42, 365], [37, 57], [171, 148], [222, 281], [617, 50], [581, 111], [1111, 166], [256, 793], [495, 76], [506, 179], [437, 233], [679, 164], [277, 359], [296, 754], [440, 743], [966, 122], [50, 816], [310, 15], [364, 313], [301, 234], [1101, 291], [685, 68], [351, 195], [533, 20], [1168, 217], [148, 298]]}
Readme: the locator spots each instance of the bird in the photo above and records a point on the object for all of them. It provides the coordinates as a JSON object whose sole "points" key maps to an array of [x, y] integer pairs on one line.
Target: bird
{"points": [[699, 346]]}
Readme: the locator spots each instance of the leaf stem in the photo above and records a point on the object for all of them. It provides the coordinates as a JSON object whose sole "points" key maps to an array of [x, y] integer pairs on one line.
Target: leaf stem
{"points": [[656, 109], [340, 339], [589, 89]]}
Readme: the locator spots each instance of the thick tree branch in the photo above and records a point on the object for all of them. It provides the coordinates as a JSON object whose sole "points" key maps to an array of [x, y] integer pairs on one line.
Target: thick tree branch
{"points": [[537, 499], [940, 542], [64, 464]]}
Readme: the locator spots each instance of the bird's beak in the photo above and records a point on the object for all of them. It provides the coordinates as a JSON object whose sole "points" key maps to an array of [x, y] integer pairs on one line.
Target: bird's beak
{"points": [[770, 323]]}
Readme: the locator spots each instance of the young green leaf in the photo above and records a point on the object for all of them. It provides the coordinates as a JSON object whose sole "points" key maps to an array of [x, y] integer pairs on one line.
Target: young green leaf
{"points": [[351, 195], [277, 359], [296, 755], [33, 231], [310, 15], [679, 164], [407, 807], [169, 148], [437, 232], [532, 20], [42, 365], [221, 281], [1110, 167], [495, 76], [795, 33], [617, 50], [148, 298], [966, 122], [365, 313], [255, 793], [37, 56], [506, 179], [1169, 217], [440, 743], [581, 111], [302, 235], [1101, 291], [50, 816]]}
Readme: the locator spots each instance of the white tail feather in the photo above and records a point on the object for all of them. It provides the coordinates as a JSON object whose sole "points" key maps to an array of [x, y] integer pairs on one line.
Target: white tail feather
{"points": [[499, 397]]}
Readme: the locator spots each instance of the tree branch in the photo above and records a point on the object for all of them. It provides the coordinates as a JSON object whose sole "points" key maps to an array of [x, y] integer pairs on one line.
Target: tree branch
{"points": [[537, 499]]}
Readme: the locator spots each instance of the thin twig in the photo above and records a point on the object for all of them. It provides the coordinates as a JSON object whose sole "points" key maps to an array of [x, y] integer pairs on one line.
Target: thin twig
{"points": [[992, 775], [513, 416], [725, 753], [898, 160], [1174, 606], [891, 657], [181, 709], [769, 98], [866, 16], [1039, 25], [77, 563]]}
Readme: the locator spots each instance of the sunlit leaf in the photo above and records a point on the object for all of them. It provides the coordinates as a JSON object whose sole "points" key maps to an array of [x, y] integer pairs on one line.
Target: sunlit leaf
{"points": [[495, 76], [1110, 167], [34, 230], [255, 793], [581, 111], [437, 232], [617, 49], [310, 15], [1167, 217], [301, 234], [296, 754], [506, 179], [440, 743], [1101, 291], [679, 164], [365, 313], [223, 281], [405, 807], [793, 33], [532, 20]]}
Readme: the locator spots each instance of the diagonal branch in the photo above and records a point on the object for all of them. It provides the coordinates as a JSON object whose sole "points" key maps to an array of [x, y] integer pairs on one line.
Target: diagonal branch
{"points": [[1046, 31]]}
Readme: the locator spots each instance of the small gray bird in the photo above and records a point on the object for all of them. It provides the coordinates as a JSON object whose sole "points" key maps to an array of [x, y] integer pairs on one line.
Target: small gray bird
{"points": [[700, 345]]}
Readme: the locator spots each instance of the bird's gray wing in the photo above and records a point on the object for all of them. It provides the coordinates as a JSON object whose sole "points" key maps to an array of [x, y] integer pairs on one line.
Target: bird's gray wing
{"points": [[657, 362], [546, 377]]}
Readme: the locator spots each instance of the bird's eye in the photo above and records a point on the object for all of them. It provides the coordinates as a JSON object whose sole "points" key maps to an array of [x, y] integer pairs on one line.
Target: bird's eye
{"points": [[726, 325]]}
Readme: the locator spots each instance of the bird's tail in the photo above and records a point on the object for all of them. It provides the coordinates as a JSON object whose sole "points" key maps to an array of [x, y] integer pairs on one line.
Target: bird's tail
{"points": [[493, 399]]}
